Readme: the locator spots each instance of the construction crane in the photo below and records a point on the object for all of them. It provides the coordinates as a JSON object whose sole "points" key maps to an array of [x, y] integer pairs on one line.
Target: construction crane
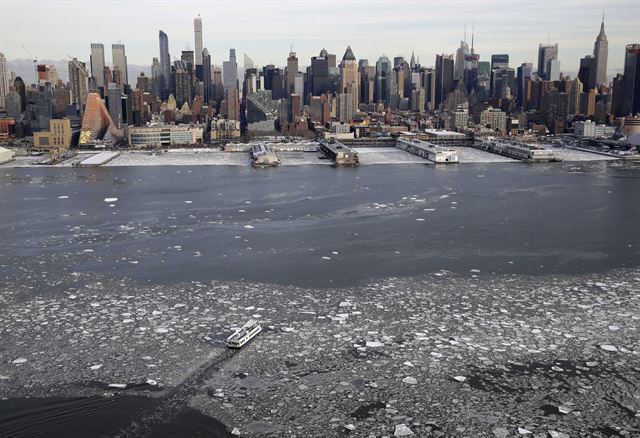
{"points": [[35, 62]]}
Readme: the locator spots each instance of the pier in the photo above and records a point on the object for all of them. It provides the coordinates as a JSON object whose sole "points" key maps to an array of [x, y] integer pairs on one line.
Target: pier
{"points": [[99, 159], [263, 156], [339, 153], [518, 151], [432, 152]]}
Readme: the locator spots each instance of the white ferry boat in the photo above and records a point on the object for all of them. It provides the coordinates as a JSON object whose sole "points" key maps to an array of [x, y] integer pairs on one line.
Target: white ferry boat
{"points": [[244, 334]]}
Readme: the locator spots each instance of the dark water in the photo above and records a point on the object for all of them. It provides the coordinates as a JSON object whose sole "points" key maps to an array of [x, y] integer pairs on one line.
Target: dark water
{"points": [[508, 218], [503, 218]]}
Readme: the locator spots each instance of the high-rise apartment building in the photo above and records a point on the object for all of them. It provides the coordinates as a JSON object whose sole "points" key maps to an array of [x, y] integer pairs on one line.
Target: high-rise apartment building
{"points": [[197, 30], [115, 104], [206, 76], [156, 78], [165, 64], [97, 63], [120, 61], [78, 81]]}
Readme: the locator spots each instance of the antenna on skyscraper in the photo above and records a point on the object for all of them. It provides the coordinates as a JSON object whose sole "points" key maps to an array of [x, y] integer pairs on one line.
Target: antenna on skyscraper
{"points": [[465, 31]]}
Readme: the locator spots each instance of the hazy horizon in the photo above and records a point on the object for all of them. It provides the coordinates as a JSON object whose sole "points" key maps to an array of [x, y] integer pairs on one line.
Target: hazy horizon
{"points": [[266, 31]]}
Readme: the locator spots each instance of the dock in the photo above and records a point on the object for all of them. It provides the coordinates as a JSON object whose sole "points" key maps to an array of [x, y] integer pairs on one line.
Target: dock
{"points": [[430, 151], [339, 153], [263, 156], [516, 150], [99, 159]]}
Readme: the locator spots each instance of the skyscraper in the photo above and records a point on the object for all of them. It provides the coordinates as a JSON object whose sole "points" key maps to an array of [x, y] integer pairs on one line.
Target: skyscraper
{"points": [[525, 71], [230, 71], [383, 71], [461, 54], [165, 64], [115, 104], [248, 63], [156, 79], [601, 53], [197, 30], [587, 73], [292, 69], [631, 102], [319, 74], [120, 61], [206, 76], [349, 77], [4, 80], [78, 81], [97, 63], [444, 77], [546, 53]]}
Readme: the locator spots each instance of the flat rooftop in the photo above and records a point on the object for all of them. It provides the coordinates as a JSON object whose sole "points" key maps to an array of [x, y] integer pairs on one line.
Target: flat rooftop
{"points": [[443, 133]]}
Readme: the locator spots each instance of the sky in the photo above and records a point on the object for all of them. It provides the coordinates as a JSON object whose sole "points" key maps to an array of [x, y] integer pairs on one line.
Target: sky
{"points": [[266, 29]]}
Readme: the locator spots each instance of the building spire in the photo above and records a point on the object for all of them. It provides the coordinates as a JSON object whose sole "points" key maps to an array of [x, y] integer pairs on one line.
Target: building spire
{"points": [[602, 25]]}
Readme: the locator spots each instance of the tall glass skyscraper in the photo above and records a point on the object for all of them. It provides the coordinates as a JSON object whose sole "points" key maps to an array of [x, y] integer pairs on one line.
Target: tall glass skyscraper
{"points": [[197, 30], [165, 64], [97, 63]]}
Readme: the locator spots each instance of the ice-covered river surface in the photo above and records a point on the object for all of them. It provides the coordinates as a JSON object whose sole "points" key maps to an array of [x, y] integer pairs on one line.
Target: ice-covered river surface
{"points": [[473, 300]]}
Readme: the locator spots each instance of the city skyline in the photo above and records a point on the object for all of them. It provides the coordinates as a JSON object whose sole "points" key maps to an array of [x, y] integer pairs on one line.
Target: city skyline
{"points": [[412, 28]]}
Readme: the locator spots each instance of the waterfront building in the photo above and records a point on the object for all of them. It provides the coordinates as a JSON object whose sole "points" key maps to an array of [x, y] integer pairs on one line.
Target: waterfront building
{"points": [[494, 119], [165, 135], [97, 123], [57, 137]]}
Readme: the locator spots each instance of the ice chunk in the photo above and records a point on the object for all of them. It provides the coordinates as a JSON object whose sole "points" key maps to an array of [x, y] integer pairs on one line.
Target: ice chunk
{"points": [[350, 427], [152, 382], [110, 200], [235, 431], [249, 227], [523, 431], [407, 364], [500, 432], [402, 430], [95, 367], [19, 360], [326, 258], [606, 347], [460, 378], [117, 385], [63, 197], [556, 434], [188, 202], [162, 330], [374, 344], [287, 329], [410, 380]]}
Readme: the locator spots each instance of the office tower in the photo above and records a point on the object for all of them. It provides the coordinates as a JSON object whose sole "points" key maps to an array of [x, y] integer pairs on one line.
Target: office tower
{"points": [[12, 104], [165, 64], [294, 107], [601, 53], [97, 122], [4, 80], [367, 81], [230, 71], [349, 75], [461, 54], [319, 74], [631, 104], [292, 69], [429, 85], [588, 103], [546, 53], [115, 104], [524, 71], [248, 62], [383, 71], [587, 73], [120, 61], [97, 63], [197, 30], [78, 82], [143, 83], [444, 77], [553, 70], [21, 89], [156, 79], [62, 97], [206, 76]]}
